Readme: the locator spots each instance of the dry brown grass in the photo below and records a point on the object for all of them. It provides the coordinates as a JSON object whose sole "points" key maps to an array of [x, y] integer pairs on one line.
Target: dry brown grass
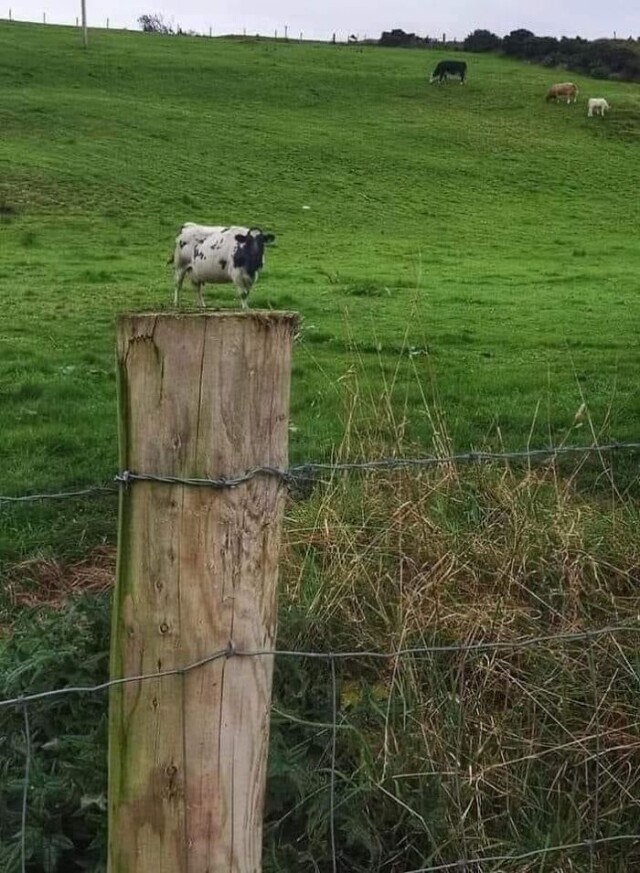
{"points": [[48, 582], [490, 751]]}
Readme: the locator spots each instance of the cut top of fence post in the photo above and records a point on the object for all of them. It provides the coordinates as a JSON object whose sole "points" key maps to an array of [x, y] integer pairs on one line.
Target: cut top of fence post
{"points": [[221, 363]]}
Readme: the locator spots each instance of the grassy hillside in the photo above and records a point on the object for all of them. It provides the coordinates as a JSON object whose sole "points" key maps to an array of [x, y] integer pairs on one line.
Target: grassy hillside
{"points": [[470, 240], [467, 271]]}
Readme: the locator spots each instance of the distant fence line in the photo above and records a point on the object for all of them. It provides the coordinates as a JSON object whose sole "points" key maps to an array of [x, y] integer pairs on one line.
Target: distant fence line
{"points": [[310, 471], [278, 33], [283, 33]]}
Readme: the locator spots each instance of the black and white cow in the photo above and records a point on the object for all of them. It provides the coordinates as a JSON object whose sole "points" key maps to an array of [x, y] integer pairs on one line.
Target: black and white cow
{"points": [[190, 234], [214, 255], [449, 68]]}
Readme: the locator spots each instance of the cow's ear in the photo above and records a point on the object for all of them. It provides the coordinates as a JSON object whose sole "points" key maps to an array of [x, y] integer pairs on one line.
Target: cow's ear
{"points": [[269, 238], [241, 237]]}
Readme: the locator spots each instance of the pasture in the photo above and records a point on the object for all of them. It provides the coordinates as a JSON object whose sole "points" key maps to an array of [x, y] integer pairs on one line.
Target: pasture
{"points": [[467, 276], [470, 240]]}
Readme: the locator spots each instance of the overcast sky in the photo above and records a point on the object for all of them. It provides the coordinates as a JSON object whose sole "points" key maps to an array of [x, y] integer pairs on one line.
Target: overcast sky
{"points": [[318, 19]]}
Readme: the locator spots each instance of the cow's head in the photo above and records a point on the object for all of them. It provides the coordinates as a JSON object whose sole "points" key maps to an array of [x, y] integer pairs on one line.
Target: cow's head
{"points": [[250, 249]]}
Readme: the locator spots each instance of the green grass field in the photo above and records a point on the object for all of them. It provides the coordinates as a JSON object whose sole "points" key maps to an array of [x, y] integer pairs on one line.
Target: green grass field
{"points": [[467, 273], [473, 238]]}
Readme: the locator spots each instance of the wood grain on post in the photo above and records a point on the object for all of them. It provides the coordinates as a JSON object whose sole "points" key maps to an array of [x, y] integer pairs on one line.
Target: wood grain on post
{"points": [[200, 396]]}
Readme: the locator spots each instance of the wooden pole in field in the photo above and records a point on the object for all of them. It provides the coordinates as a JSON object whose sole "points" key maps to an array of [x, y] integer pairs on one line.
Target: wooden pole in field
{"points": [[85, 34], [202, 396]]}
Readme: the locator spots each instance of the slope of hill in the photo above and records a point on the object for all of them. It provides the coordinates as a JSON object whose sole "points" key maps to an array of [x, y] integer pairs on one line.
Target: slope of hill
{"points": [[467, 266], [475, 238]]}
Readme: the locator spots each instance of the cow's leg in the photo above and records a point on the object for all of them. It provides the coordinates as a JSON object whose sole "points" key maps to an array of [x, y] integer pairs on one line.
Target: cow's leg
{"points": [[198, 289], [180, 273], [243, 288]]}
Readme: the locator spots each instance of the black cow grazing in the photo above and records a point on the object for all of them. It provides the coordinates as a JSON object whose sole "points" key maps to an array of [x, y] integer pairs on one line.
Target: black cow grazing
{"points": [[449, 68]]}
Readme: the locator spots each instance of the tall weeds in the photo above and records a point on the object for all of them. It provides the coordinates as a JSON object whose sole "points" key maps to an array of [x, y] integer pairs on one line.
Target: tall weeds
{"points": [[470, 752]]}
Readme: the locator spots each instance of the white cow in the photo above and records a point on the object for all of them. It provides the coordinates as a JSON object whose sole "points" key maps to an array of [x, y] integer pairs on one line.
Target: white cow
{"points": [[597, 106], [216, 254]]}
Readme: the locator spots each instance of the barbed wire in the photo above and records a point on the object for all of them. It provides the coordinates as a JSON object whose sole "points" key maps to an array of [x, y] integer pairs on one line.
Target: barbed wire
{"points": [[62, 495], [232, 652], [309, 471]]}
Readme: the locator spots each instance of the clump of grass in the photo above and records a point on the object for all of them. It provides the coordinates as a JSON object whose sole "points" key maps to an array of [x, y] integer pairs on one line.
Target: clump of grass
{"points": [[467, 751], [28, 239], [365, 289], [96, 277], [8, 212], [47, 582]]}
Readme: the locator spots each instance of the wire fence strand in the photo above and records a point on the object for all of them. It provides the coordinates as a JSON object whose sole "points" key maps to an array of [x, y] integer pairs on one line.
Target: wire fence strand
{"points": [[308, 472], [461, 864], [232, 652], [25, 788], [471, 864], [334, 746]]}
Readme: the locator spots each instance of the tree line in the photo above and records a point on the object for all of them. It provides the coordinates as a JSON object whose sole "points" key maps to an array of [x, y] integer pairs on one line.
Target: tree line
{"points": [[600, 58]]}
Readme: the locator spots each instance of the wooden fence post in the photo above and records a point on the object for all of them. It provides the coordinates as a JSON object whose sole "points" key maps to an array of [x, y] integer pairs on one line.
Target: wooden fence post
{"points": [[203, 396]]}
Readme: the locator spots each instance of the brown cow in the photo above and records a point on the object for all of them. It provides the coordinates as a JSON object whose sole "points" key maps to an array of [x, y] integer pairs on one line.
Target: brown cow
{"points": [[562, 89]]}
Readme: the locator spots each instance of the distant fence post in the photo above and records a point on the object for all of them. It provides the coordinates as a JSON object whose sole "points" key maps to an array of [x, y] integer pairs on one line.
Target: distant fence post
{"points": [[85, 33], [202, 396]]}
